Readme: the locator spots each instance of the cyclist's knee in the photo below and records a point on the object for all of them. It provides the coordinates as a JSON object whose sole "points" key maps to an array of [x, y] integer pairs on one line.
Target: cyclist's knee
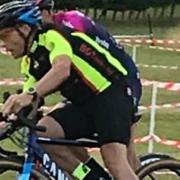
{"points": [[115, 159], [133, 159], [114, 155], [53, 128]]}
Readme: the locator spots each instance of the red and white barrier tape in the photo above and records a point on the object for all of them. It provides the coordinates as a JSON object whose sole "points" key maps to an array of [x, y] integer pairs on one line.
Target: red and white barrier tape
{"points": [[157, 139], [165, 85], [171, 86], [157, 43], [137, 36], [157, 66], [146, 41], [141, 108], [165, 48], [172, 105], [156, 47], [11, 82]]}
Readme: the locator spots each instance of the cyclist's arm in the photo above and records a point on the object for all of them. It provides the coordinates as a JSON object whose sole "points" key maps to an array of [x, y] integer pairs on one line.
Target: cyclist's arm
{"points": [[60, 57]]}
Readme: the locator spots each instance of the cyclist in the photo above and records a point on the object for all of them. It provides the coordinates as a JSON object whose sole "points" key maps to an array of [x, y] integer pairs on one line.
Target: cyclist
{"points": [[90, 76], [78, 21]]}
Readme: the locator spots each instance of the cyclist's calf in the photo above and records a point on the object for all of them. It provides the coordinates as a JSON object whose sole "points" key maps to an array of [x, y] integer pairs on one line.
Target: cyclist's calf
{"points": [[115, 158]]}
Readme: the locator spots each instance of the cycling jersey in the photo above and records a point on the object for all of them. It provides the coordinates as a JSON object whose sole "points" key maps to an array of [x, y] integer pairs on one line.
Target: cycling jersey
{"points": [[73, 19], [93, 68], [79, 22]]}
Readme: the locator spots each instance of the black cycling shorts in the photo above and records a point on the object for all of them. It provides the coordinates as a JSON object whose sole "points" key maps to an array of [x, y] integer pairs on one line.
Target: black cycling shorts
{"points": [[108, 114]]}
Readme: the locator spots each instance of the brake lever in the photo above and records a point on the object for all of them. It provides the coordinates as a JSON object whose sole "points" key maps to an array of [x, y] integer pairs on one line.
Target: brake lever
{"points": [[6, 95], [22, 116], [7, 128]]}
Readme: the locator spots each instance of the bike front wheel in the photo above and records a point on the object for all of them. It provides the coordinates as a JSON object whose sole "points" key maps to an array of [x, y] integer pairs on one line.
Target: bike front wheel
{"points": [[10, 169], [152, 157], [168, 169]]}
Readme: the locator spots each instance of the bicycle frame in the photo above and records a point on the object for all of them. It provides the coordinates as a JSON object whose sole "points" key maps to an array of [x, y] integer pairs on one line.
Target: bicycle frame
{"points": [[35, 152]]}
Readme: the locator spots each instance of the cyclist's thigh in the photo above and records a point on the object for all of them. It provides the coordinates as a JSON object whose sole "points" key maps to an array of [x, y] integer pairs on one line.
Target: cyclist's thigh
{"points": [[75, 124], [113, 111]]}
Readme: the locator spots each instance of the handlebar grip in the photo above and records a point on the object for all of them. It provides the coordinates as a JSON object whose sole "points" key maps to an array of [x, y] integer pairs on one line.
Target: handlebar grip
{"points": [[23, 114], [1, 117], [6, 95]]}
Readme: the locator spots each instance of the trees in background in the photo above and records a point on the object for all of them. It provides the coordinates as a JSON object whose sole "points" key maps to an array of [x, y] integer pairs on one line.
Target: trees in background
{"points": [[133, 8]]}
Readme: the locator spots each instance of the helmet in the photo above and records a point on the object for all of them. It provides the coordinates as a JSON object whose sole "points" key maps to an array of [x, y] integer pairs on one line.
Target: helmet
{"points": [[45, 4], [16, 12]]}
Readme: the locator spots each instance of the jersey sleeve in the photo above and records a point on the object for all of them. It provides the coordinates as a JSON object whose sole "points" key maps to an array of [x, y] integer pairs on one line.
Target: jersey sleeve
{"points": [[30, 81], [57, 45]]}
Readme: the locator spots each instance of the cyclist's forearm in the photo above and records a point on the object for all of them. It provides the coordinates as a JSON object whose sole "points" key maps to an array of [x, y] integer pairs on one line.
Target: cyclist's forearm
{"points": [[57, 74]]}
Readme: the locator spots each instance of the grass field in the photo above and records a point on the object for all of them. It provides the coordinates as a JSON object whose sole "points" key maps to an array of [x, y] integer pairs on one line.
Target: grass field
{"points": [[167, 120]]}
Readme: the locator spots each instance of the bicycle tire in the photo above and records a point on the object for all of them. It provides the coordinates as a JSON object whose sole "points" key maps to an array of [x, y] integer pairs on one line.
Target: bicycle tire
{"points": [[170, 164], [151, 157], [14, 165]]}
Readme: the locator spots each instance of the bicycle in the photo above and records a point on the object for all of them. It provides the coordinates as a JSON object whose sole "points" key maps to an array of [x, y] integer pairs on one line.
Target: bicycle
{"points": [[152, 157], [36, 163], [165, 169], [28, 166], [157, 166]]}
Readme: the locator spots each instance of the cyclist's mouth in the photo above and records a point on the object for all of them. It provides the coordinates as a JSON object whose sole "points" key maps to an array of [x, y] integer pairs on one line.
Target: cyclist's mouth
{"points": [[10, 51], [4, 50]]}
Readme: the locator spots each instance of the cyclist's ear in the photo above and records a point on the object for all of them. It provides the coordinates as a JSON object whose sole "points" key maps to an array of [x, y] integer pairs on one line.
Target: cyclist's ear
{"points": [[24, 29]]}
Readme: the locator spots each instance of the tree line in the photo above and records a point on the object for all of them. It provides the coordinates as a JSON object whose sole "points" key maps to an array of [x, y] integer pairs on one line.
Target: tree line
{"points": [[134, 8]]}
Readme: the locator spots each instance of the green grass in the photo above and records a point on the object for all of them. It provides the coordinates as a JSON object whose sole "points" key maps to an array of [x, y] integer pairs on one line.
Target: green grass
{"points": [[9, 68], [162, 26], [167, 120]]}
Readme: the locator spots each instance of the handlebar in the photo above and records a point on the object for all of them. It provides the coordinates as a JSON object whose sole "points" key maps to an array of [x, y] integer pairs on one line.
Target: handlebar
{"points": [[22, 120], [29, 122], [22, 117]]}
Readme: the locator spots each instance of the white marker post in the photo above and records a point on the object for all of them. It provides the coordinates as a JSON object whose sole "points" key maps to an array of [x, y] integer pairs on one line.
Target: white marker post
{"points": [[134, 52], [152, 117]]}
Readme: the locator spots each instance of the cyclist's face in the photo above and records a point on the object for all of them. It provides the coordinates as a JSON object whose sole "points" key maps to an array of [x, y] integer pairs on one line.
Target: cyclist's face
{"points": [[13, 41]]}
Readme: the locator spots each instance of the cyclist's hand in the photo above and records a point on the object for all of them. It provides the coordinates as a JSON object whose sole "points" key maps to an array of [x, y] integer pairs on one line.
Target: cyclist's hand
{"points": [[16, 102], [2, 125]]}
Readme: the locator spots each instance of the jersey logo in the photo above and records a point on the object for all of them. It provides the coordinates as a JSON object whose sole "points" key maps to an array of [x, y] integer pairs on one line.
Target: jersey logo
{"points": [[91, 54], [102, 42], [68, 24], [36, 64]]}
